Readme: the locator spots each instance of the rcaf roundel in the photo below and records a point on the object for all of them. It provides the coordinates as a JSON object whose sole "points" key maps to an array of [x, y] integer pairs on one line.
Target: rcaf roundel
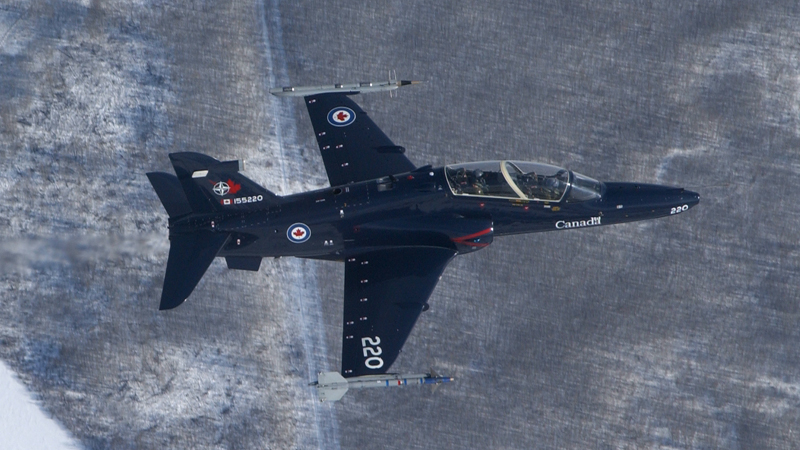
{"points": [[298, 233], [341, 116]]}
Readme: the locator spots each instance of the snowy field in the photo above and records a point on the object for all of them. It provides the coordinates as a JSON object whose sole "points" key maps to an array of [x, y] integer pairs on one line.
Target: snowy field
{"points": [[676, 333], [23, 424]]}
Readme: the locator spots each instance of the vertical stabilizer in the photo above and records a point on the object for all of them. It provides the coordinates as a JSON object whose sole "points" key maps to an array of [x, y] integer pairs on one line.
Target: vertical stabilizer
{"points": [[211, 185]]}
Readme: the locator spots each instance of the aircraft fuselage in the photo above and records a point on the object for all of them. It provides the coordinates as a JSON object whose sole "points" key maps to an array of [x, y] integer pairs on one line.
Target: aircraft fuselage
{"points": [[421, 208]]}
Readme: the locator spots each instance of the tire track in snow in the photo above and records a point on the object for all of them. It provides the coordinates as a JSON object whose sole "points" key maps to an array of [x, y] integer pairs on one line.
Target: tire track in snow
{"points": [[299, 276]]}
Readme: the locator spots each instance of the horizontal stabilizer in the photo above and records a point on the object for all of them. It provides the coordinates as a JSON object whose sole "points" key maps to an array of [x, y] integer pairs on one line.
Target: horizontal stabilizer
{"points": [[189, 258], [169, 191]]}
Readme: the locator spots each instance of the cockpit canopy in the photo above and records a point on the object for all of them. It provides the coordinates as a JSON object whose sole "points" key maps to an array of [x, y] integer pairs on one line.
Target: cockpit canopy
{"points": [[521, 180]]}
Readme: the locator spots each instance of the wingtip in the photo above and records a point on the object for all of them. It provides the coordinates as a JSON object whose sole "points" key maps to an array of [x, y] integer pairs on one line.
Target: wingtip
{"points": [[169, 303]]}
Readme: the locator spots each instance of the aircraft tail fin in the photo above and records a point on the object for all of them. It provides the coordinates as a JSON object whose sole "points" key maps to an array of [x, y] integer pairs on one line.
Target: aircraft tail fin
{"points": [[189, 257], [202, 185], [210, 185]]}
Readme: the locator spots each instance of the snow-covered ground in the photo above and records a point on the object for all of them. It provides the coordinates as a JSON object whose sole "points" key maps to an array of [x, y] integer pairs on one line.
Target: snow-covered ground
{"points": [[23, 423]]}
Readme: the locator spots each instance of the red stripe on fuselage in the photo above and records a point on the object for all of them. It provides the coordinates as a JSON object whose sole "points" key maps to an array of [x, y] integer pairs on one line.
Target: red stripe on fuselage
{"points": [[472, 236]]}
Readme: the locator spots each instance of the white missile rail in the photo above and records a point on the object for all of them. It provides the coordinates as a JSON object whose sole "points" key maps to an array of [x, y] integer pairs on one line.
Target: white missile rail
{"points": [[352, 88], [331, 386]]}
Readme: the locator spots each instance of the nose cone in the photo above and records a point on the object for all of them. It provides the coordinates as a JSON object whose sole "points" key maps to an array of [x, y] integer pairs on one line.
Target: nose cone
{"points": [[637, 201], [649, 194], [680, 198], [694, 198]]}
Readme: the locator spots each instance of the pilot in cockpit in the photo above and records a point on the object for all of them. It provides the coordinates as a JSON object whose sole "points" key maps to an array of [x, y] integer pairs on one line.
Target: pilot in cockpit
{"points": [[479, 184], [469, 182], [460, 180], [529, 183], [541, 186]]}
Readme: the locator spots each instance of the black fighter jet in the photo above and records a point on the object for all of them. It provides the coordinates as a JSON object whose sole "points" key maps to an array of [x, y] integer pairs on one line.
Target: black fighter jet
{"points": [[394, 225]]}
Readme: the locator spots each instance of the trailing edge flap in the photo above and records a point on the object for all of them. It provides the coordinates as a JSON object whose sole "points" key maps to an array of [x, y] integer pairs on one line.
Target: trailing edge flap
{"points": [[384, 293], [353, 148], [211, 185], [189, 258], [169, 191]]}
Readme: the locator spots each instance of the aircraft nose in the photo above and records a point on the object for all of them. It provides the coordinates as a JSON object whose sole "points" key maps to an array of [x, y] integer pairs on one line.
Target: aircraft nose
{"points": [[650, 198], [683, 197], [694, 198], [680, 196]]}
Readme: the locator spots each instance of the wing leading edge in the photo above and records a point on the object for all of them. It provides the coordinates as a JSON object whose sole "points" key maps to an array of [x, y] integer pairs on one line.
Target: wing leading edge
{"points": [[353, 148], [384, 293]]}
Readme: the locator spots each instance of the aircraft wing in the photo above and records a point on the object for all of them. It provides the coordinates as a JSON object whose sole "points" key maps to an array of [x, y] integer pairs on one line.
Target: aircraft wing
{"points": [[353, 148], [384, 294]]}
